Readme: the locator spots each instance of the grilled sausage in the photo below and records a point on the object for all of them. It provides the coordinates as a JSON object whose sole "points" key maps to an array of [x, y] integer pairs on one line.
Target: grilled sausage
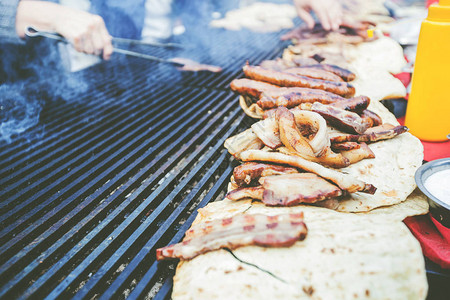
{"points": [[290, 80], [371, 118], [250, 87]]}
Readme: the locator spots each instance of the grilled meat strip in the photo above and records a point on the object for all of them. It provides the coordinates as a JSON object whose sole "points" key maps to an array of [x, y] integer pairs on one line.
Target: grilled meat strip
{"points": [[254, 192], [328, 158], [371, 118], [310, 122], [382, 132], [290, 80], [253, 88], [293, 189], [251, 171], [342, 119], [346, 146], [356, 104], [291, 97], [290, 135], [241, 230], [314, 73], [190, 65], [344, 181], [358, 154], [329, 203], [346, 75]]}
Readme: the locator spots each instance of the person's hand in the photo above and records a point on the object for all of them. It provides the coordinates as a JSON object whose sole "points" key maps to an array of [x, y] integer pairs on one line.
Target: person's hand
{"points": [[329, 12], [87, 32]]}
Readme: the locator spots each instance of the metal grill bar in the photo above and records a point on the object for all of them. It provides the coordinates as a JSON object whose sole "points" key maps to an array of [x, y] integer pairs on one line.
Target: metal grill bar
{"points": [[116, 175], [154, 138], [151, 273]]}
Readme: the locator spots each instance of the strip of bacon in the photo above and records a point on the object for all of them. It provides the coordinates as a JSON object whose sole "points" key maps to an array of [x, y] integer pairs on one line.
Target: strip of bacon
{"points": [[241, 230], [371, 118], [314, 73], [382, 132], [293, 189], [344, 181], [290, 135], [342, 119], [359, 154], [345, 74], [346, 146], [328, 203], [356, 104], [251, 171], [190, 65], [290, 80]]}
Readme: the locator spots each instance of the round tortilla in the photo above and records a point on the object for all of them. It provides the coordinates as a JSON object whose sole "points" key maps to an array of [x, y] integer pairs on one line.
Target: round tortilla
{"points": [[344, 256], [391, 171]]}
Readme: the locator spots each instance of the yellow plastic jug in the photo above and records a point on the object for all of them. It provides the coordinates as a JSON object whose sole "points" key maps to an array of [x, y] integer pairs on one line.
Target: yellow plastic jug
{"points": [[428, 110]]}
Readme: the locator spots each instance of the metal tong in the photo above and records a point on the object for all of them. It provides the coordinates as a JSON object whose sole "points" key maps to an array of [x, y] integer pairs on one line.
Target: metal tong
{"points": [[33, 32]]}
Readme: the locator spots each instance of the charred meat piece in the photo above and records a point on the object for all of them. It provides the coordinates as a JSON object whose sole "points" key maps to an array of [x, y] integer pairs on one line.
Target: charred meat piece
{"points": [[267, 131], [190, 65], [293, 189], [371, 118], [328, 158], [314, 73], [291, 97], [252, 88], [358, 154], [241, 230], [356, 104], [382, 132], [328, 203], [345, 74], [312, 123], [290, 80], [290, 135], [344, 181], [250, 172], [345, 120], [243, 141], [346, 146], [251, 109], [254, 192]]}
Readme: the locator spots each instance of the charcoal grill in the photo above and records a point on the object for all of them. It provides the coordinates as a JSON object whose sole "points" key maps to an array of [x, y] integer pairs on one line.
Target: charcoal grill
{"points": [[115, 171]]}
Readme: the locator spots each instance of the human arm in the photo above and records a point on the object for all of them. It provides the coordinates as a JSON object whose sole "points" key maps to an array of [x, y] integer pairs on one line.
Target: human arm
{"points": [[329, 12], [87, 32]]}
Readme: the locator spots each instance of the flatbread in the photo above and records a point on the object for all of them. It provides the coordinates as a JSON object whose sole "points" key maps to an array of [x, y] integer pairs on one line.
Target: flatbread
{"points": [[391, 171], [415, 204], [345, 256], [377, 84]]}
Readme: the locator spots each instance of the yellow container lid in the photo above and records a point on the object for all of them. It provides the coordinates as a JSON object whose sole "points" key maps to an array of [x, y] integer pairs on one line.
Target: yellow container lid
{"points": [[439, 12]]}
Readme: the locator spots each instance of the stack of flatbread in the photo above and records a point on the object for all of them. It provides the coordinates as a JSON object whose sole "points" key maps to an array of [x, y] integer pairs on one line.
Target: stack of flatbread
{"points": [[360, 250]]}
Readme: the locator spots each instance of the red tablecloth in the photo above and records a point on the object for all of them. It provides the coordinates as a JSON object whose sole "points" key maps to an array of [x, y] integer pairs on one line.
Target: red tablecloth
{"points": [[433, 237]]}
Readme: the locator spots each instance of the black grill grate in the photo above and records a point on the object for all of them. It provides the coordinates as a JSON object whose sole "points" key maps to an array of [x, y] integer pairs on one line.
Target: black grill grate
{"points": [[117, 170]]}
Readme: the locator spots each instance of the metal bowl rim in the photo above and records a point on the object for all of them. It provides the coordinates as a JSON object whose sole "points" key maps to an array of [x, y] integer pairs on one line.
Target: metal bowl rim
{"points": [[420, 180]]}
